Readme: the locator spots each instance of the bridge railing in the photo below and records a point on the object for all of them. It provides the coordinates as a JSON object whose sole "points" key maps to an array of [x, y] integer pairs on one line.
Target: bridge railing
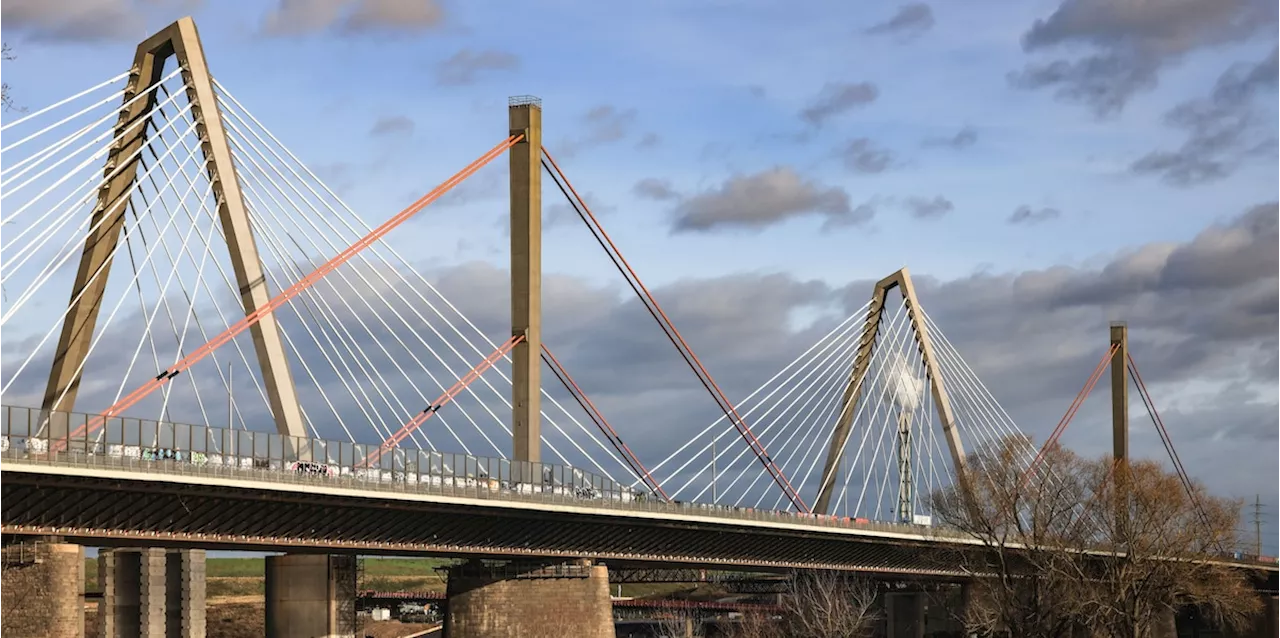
{"points": [[59, 438], [30, 431]]}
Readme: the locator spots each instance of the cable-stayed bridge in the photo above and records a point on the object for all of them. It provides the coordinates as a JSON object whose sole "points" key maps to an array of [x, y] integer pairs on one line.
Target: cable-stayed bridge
{"points": [[207, 347]]}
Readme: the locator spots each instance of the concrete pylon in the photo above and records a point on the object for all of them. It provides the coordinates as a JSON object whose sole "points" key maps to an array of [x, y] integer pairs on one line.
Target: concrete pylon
{"points": [[181, 41], [525, 118], [900, 280]]}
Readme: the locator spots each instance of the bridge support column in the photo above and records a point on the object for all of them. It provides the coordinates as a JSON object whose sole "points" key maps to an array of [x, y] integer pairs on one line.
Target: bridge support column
{"points": [[311, 595], [43, 590], [153, 593], [529, 601], [1268, 622], [1164, 624], [904, 614]]}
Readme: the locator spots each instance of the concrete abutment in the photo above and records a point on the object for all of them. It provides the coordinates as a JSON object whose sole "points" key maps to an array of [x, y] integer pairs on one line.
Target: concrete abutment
{"points": [[43, 590]]}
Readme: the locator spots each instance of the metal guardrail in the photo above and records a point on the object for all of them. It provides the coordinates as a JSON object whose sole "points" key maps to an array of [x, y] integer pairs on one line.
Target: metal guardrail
{"points": [[33, 435]]}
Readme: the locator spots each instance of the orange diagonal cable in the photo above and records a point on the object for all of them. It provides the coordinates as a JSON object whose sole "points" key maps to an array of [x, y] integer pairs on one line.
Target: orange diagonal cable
{"points": [[730, 411], [604, 425], [1071, 412], [421, 417], [294, 290]]}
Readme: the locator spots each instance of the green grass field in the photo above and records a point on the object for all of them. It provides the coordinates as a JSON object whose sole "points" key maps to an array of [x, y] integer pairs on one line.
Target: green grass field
{"points": [[244, 577]]}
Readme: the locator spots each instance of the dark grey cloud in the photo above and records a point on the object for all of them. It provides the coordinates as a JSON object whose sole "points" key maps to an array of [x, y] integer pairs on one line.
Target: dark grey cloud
{"points": [[466, 65], [862, 155], [392, 125], [302, 17], [964, 138], [74, 20], [1223, 130], [910, 21], [757, 201], [928, 207], [655, 189], [603, 124], [1130, 41], [836, 98], [1027, 215]]}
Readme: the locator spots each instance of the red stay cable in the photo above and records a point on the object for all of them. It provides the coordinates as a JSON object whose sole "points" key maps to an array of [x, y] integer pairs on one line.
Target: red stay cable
{"points": [[1070, 414], [421, 417], [730, 411], [603, 424], [294, 290]]}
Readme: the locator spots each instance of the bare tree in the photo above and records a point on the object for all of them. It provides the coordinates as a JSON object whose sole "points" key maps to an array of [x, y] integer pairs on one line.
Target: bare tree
{"points": [[1026, 584], [1159, 529], [829, 605], [753, 625], [6, 53], [680, 624], [1072, 543]]}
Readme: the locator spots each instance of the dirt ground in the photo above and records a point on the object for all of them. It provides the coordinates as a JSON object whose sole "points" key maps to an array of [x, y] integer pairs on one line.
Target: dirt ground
{"points": [[245, 617]]}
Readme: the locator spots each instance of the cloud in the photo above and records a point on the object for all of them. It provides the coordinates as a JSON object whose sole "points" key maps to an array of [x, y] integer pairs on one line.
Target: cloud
{"points": [[74, 20], [757, 201], [1131, 41], [1027, 215], [863, 156], [302, 17], [464, 66], [963, 139], [837, 98], [1223, 129], [561, 213], [649, 140], [601, 125], [911, 21], [398, 125], [928, 208], [655, 189]]}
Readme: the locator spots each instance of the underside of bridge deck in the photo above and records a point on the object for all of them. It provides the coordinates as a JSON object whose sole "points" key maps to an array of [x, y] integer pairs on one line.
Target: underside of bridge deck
{"points": [[101, 511]]}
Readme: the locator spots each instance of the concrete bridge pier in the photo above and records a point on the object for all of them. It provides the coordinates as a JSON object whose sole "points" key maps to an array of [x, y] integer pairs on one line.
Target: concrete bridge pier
{"points": [[1268, 622], [43, 589], [904, 614], [311, 595], [152, 593], [528, 601]]}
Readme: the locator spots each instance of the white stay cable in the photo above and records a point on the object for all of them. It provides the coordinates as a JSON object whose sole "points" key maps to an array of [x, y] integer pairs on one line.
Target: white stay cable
{"points": [[55, 105], [829, 348], [45, 275], [822, 345], [861, 391], [483, 380], [56, 327]]}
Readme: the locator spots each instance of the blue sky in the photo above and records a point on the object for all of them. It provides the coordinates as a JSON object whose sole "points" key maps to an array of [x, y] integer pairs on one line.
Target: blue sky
{"points": [[687, 76], [977, 108]]}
